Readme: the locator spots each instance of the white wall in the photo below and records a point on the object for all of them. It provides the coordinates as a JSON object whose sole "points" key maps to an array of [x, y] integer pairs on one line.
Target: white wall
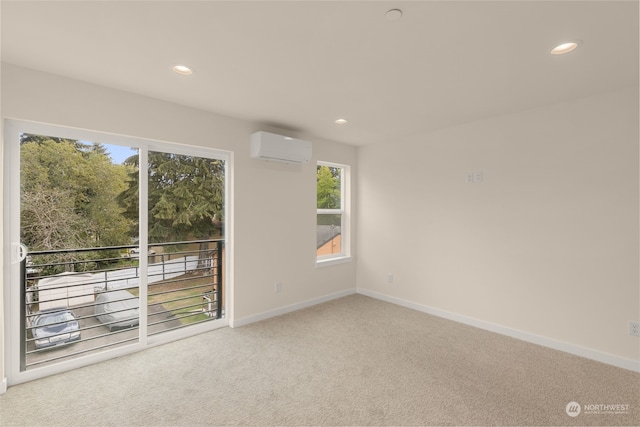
{"points": [[274, 204], [545, 247]]}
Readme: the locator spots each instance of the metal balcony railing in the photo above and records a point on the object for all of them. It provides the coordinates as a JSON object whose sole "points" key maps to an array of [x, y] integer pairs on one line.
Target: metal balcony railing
{"points": [[100, 289]]}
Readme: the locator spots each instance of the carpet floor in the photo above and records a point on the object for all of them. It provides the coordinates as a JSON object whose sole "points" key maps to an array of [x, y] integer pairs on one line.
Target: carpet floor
{"points": [[350, 361]]}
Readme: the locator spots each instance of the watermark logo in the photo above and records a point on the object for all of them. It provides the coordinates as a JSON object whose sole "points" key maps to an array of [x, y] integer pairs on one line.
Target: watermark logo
{"points": [[573, 409]]}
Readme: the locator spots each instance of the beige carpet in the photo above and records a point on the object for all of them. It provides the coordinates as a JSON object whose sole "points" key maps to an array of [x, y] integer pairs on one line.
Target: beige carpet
{"points": [[352, 361]]}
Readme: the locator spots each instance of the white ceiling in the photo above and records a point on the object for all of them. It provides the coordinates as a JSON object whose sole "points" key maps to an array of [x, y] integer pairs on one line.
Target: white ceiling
{"points": [[299, 65]]}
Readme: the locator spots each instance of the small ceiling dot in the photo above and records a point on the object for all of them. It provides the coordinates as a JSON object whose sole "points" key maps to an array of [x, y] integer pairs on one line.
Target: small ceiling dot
{"points": [[341, 121]]}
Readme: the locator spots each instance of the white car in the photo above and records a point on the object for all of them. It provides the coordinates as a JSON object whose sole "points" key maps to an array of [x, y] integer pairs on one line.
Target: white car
{"points": [[117, 309], [135, 252]]}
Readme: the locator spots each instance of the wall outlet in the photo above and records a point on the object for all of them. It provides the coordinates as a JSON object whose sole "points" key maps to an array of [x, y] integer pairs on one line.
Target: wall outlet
{"points": [[634, 328], [474, 178], [277, 287], [390, 278]]}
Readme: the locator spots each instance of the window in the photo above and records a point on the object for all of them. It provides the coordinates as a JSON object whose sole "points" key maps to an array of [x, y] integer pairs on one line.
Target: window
{"points": [[122, 245], [332, 233]]}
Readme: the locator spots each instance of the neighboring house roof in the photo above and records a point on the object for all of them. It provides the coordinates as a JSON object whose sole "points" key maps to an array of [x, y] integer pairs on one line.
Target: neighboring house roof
{"points": [[326, 233]]}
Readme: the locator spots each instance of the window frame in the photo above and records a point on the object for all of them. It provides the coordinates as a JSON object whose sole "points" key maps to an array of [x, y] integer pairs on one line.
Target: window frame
{"points": [[345, 216]]}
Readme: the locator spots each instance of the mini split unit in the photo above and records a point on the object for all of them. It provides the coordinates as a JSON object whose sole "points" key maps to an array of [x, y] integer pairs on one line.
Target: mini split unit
{"points": [[278, 148]]}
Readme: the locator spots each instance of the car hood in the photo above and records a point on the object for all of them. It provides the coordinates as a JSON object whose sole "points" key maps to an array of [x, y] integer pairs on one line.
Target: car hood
{"points": [[48, 330]]}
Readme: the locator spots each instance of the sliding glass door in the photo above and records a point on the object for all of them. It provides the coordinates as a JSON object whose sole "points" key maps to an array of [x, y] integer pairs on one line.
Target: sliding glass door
{"points": [[186, 240], [115, 242]]}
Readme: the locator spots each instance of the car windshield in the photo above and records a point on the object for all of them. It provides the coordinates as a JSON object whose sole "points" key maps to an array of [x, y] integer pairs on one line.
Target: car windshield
{"points": [[50, 318]]}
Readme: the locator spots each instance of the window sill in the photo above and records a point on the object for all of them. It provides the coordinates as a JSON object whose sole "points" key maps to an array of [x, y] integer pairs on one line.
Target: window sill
{"points": [[332, 261]]}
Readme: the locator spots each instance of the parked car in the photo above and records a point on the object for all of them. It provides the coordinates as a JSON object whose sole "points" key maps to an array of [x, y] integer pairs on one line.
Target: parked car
{"points": [[54, 327], [135, 252], [117, 309]]}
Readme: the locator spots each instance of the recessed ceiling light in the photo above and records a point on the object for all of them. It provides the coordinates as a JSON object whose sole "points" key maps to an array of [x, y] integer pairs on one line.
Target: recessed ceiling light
{"points": [[393, 14], [182, 69], [563, 48], [341, 121]]}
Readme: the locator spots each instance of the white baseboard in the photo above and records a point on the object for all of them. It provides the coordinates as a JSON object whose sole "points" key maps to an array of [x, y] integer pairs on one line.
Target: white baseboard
{"points": [[599, 356], [234, 323], [3, 386]]}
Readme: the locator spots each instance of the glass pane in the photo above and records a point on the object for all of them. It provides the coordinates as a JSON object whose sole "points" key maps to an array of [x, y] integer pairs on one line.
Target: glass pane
{"points": [[329, 187], [329, 234], [186, 236], [73, 224]]}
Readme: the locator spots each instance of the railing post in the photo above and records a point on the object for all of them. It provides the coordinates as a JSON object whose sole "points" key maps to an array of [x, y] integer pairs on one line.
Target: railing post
{"points": [[23, 315], [219, 280]]}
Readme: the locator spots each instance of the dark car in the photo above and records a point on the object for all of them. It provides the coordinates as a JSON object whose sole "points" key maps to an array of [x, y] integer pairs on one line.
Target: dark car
{"points": [[54, 327], [117, 309]]}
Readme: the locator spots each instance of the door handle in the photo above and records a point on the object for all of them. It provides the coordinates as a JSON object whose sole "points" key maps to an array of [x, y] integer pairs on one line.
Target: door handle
{"points": [[22, 252]]}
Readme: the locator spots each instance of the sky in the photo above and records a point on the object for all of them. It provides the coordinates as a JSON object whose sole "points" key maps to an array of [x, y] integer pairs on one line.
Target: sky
{"points": [[119, 153]]}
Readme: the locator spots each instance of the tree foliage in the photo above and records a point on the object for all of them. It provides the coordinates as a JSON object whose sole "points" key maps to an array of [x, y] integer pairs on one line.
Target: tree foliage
{"points": [[73, 196], [328, 187], [48, 219], [186, 196], [68, 195]]}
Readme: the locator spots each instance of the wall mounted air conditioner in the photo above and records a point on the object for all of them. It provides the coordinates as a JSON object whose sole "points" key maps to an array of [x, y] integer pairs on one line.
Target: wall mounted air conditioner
{"points": [[278, 148]]}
